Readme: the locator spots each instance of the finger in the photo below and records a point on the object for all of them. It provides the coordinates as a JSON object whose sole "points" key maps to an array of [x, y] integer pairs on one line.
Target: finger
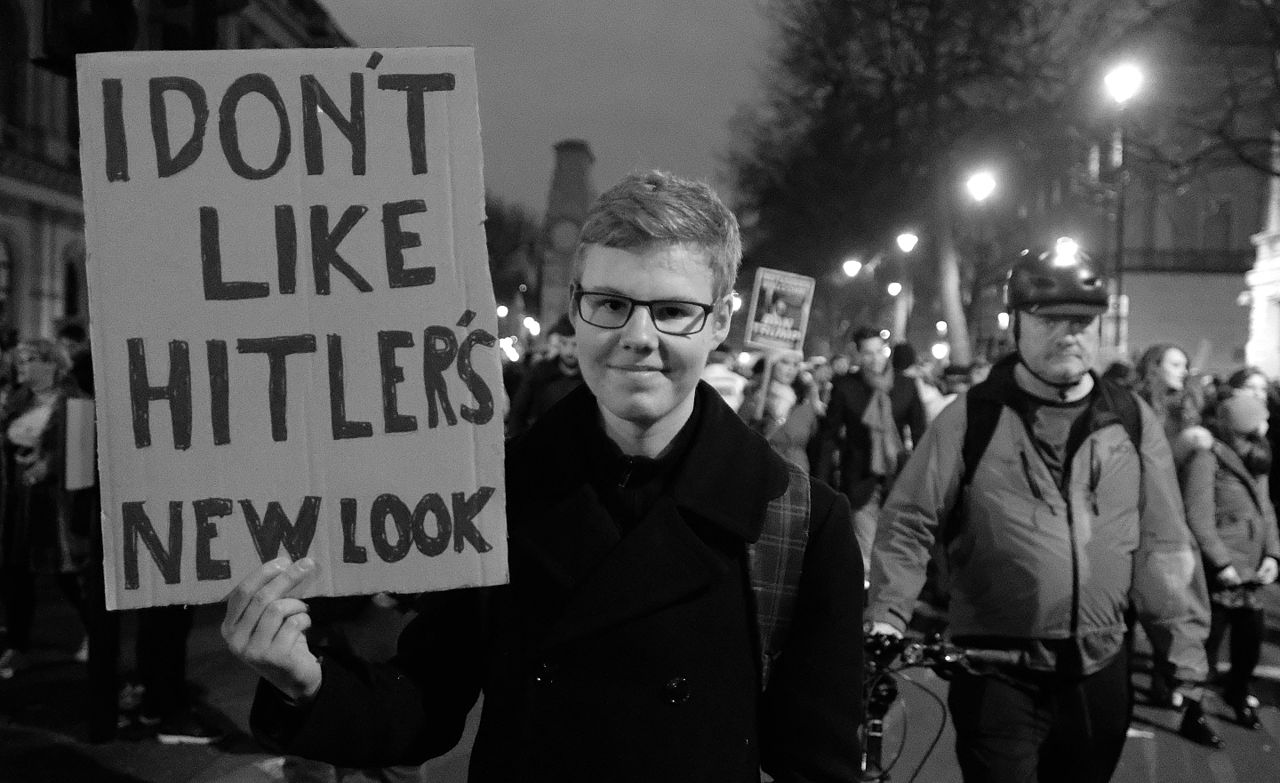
{"points": [[273, 617], [273, 590], [238, 598], [292, 631]]}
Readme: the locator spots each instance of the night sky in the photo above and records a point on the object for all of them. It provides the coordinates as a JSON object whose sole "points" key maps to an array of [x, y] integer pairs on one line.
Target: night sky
{"points": [[648, 85]]}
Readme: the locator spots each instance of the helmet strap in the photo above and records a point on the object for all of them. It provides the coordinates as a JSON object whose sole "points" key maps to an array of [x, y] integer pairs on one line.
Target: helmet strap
{"points": [[1063, 389]]}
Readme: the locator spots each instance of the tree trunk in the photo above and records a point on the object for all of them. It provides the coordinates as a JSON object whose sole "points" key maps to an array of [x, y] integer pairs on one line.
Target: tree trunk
{"points": [[949, 270]]}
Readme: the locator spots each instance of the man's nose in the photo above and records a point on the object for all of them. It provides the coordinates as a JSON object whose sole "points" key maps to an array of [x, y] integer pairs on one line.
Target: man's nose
{"points": [[639, 332]]}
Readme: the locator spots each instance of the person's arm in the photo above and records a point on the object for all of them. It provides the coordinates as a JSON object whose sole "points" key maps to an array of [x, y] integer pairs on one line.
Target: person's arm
{"points": [[401, 712], [1198, 502], [1268, 571], [1168, 591], [922, 497], [351, 712], [809, 715]]}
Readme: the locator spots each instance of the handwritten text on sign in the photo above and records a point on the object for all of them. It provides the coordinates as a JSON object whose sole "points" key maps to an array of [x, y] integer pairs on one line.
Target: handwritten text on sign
{"points": [[292, 319]]}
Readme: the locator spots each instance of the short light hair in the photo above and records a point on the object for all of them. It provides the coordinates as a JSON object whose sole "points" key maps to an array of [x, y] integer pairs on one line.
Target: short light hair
{"points": [[657, 209]]}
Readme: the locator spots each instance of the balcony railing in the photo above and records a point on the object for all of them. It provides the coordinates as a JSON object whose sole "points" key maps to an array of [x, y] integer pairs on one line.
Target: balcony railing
{"points": [[1162, 260]]}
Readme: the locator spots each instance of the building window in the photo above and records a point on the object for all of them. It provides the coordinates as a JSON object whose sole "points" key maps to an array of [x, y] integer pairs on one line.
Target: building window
{"points": [[1216, 231], [13, 66], [75, 298], [71, 304], [7, 265]]}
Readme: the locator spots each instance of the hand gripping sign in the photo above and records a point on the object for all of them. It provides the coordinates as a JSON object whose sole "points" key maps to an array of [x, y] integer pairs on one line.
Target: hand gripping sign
{"points": [[292, 320]]}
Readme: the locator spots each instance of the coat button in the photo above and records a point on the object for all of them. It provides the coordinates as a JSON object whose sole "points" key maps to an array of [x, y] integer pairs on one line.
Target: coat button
{"points": [[677, 690], [544, 673]]}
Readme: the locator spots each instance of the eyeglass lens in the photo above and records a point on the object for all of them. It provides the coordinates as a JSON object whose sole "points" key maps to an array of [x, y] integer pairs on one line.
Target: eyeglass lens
{"points": [[612, 311]]}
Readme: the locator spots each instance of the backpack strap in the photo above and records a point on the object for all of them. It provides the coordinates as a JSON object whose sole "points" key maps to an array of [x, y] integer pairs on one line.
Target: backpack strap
{"points": [[982, 414], [775, 561]]}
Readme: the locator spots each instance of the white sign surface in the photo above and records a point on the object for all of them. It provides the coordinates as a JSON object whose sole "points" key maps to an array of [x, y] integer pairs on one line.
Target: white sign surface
{"points": [[292, 320]]}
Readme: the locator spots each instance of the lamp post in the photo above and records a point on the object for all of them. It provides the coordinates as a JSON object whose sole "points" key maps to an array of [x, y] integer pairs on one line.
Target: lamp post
{"points": [[904, 298], [1122, 83]]}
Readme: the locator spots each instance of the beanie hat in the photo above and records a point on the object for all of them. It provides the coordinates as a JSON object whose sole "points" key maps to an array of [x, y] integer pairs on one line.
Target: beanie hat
{"points": [[1242, 413]]}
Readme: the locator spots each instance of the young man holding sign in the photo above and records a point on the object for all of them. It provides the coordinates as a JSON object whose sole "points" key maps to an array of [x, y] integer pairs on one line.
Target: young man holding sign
{"points": [[636, 640]]}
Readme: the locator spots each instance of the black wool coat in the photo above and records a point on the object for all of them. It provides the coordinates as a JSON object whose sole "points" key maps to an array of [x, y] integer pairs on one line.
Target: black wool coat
{"points": [[611, 656], [850, 395]]}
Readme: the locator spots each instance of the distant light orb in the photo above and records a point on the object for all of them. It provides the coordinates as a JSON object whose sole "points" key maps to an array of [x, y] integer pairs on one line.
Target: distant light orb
{"points": [[907, 241], [737, 301], [508, 346], [1123, 82], [940, 351], [532, 326], [1003, 320], [894, 288], [941, 327], [502, 311], [884, 334], [851, 267], [981, 184]]}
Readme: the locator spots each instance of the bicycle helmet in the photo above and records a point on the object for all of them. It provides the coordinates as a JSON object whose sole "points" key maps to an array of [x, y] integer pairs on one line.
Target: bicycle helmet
{"points": [[1058, 281]]}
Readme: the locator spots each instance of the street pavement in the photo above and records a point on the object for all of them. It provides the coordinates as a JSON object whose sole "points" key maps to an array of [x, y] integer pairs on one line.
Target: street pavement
{"points": [[43, 730]]}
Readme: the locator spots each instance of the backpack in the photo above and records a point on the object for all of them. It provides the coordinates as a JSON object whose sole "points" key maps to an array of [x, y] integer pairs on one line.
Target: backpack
{"points": [[774, 562]]}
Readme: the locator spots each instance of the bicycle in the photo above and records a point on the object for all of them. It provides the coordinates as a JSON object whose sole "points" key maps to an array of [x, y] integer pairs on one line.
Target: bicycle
{"points": [[885, 657]]}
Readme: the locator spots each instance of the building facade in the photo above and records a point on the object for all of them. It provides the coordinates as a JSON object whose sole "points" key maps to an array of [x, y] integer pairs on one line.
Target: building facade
{"points": [[42, 250]]}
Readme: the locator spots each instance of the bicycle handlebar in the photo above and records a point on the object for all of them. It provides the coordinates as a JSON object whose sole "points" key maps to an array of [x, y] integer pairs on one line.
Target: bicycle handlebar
{"points": [[884, 651]]}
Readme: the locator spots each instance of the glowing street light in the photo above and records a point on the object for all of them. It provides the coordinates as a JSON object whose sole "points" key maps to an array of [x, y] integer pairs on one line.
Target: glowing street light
{"points": [[941, 326], [907, 241], [981, 184], [1002, 319], [502, 311], [1123, 82], [940, 351], [851, 267], [532, 326], [894, 288]]}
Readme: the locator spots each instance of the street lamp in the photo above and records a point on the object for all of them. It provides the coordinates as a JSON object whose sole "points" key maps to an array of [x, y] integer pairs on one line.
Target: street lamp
{"points": [[981, 184], [851, 267], [1122, 83], [894, 288], [907, 241]]}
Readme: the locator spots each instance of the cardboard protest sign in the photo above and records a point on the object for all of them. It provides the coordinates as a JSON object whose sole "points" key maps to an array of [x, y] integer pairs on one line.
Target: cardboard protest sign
{"points": [[292, 320], [779, 314]]}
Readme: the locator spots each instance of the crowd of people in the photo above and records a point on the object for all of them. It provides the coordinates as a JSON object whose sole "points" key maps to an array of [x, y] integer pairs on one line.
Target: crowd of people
{"points": [[700, 549]]}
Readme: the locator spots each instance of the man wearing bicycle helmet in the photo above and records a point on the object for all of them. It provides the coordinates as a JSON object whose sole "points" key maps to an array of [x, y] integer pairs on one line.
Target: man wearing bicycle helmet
{"points": [[1053, 497]]}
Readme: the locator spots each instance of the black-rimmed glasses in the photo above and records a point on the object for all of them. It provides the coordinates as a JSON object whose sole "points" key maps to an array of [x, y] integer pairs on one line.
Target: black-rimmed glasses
{"points": [[669, 316]]}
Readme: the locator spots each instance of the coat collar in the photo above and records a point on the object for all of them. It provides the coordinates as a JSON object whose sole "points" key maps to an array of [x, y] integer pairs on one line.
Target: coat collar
{"points": [[727, 477], [580, 575]]}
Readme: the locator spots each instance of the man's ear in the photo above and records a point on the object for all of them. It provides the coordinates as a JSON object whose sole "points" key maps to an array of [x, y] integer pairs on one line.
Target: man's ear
{"points": [[721, 317]]}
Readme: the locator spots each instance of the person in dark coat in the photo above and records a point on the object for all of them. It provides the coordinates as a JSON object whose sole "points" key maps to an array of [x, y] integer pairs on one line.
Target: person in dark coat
{"points": [[869, 413], [627, 646], [1230, 513], [39, 531], [547, 381]]}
